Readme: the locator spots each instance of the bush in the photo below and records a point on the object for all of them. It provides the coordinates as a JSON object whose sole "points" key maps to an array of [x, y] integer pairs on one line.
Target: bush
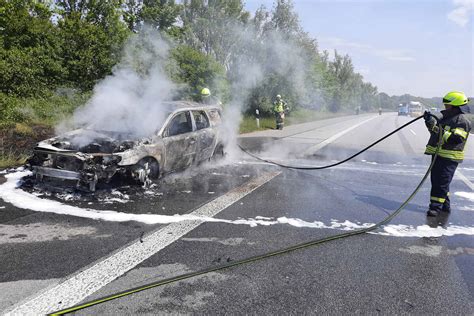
{"points": [[47, 110]]}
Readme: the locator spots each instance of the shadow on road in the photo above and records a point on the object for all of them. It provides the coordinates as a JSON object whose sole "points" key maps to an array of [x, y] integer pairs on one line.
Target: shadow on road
{"points": [[390, 205]]}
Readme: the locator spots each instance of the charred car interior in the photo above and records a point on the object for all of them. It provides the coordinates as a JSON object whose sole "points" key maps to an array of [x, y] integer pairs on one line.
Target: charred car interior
{"points": [[189, 134]]}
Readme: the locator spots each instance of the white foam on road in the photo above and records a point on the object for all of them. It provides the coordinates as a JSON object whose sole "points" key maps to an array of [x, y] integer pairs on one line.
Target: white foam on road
{"points": [[425, 231], [10, 192], [466, 195]]}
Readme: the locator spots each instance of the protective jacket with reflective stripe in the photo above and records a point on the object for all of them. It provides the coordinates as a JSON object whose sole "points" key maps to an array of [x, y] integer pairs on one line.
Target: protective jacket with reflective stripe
{"points": [[456, 127], [279, 106]]}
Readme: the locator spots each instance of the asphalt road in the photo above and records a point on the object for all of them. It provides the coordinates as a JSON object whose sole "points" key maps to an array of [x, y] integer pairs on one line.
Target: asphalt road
{"points": [[56, 254]]}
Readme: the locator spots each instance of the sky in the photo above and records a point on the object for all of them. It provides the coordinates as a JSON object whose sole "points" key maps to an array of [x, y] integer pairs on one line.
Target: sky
{"points": [[420, 47]]}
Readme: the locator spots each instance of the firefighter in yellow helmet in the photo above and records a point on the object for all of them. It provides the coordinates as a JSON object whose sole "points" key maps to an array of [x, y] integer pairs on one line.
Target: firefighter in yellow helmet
{"points": [[206, 97], [280, 108], [455, 128]]}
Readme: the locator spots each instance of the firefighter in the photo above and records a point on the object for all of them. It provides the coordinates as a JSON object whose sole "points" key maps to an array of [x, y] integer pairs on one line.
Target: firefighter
{"points": [[455, 128], [280, 108], [206, 97]]}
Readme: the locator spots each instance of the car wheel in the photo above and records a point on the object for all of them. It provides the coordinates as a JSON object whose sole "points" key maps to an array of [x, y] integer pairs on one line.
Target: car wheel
{"points": [[218, 152], [146, 170]]}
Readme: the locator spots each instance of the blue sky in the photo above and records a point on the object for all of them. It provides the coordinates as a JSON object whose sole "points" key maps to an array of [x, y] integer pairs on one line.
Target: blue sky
{"points": [[421, 47]]}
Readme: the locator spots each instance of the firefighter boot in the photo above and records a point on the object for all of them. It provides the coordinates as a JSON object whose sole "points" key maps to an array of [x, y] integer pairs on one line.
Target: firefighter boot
{"points": [[435, 209]]}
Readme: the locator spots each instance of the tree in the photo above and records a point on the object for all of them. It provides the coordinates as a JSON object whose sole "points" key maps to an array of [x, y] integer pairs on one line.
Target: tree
{"points": [[342, 70], [158, 14], [197, 70], [30, 51], [210, 27], [92, 34], [285, 20]]}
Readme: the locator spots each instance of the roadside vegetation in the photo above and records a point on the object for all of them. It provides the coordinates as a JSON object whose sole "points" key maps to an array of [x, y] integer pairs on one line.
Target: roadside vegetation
{"points": [[52, 54], [301, 115]]}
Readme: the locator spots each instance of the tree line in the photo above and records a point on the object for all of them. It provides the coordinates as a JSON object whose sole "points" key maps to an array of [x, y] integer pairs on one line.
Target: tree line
{"points": [[52, 53]]}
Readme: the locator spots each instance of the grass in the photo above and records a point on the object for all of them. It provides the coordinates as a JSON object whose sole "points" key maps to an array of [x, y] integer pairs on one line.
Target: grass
{"points": [[249, 123], [11, 159], [25, 121]]}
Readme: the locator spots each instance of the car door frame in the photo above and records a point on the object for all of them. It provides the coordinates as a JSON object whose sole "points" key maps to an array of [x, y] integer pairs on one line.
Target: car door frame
{"points": [[185, 141], [206, 138]]}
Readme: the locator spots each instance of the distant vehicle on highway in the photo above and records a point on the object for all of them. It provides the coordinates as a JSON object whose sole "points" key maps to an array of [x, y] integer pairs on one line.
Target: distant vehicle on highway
{"points": [[402, 110], [415, 109], [189, 134]]}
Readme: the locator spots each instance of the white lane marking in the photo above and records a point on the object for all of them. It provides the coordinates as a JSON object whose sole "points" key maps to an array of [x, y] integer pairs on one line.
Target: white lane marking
{"points": [[326, 142], [463, 178], [413, 132], [77, 287]]}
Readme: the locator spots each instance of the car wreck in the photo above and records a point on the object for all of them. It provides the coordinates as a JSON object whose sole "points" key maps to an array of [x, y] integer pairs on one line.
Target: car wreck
{"points": [[189, 134]]}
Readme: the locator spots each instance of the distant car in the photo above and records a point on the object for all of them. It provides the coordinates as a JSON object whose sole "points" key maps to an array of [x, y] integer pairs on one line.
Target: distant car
{"points": [[403, 111], [188, 135]]}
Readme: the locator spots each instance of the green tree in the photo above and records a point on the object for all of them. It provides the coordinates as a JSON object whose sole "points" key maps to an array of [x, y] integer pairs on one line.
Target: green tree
{"points": [[30, 49], [285, 20], [197, 70], [93, 34], [209, 26], [342, 70], [159, 14]]}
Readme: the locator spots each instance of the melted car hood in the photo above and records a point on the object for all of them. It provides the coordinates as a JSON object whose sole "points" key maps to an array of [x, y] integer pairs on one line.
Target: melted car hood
{"points": [[89, 141]]}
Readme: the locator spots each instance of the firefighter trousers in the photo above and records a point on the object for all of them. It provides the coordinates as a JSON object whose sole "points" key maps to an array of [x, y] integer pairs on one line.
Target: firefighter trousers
{"points": [[441, 175]]}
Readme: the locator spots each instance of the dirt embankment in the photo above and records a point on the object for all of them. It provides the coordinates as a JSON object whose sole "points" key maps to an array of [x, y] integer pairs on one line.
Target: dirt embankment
{"points": [[18, 140]]}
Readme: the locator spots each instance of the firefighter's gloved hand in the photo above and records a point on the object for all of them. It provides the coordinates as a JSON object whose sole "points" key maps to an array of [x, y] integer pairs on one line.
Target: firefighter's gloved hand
{"points": [[427, 116], [430, 122]]}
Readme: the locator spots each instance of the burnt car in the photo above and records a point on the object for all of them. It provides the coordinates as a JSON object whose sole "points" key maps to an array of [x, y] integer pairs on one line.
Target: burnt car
{"points": [[189, 134]]}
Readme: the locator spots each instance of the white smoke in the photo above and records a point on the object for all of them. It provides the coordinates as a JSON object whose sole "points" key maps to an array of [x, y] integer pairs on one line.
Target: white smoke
{"points": [[131, 99], [257, 60]]}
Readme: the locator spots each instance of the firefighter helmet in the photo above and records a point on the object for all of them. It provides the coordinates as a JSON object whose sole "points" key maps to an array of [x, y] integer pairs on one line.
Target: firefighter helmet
{"points": [[278, 96], [205, 92], [455, 98]]}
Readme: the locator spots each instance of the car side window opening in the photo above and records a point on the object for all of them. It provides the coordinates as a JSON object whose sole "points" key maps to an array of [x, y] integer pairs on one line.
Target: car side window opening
{"points": [[180, 124], [200, 119], [215, 116]]}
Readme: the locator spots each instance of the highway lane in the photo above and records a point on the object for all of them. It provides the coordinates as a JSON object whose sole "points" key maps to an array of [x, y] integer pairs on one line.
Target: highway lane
{"points": [[365, 274]]}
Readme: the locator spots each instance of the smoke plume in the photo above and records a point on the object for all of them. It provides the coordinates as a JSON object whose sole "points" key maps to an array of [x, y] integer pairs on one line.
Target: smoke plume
{"points": [[130, 100]]}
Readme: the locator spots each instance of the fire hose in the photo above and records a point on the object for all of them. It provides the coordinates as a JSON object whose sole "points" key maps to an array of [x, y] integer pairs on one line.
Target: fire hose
{"points": [[280, 251]]}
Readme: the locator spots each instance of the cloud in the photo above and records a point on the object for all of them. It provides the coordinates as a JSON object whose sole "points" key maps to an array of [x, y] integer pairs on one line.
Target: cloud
{"points": [[388, 54], [462, 13]]}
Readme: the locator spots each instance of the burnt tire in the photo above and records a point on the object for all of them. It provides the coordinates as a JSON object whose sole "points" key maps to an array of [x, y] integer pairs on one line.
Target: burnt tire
{"points": [[218, 152], [145, 170]]}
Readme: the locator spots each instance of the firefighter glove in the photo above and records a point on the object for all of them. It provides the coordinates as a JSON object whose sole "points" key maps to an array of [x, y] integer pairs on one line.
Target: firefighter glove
{"points": [[430, 122], [427, 116]]}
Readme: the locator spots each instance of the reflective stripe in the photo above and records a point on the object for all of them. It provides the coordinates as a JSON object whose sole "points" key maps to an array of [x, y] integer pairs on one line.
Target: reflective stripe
{"points": [[461, 132], [446, 136], [445, 153], [430, 149], [437, 199]]}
